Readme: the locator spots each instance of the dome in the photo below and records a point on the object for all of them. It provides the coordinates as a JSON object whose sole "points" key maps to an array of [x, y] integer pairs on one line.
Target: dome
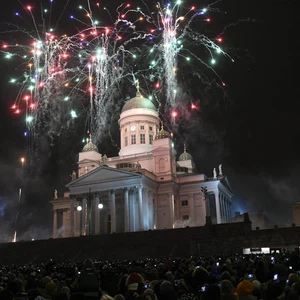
{"points": [[162, 133], [185, 155], [90, 146], [138, 102]]}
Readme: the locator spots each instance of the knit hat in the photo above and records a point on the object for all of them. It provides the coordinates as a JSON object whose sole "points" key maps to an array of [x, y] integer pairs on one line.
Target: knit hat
{"points": [[244, 288], [50, 287], [133, 281]]}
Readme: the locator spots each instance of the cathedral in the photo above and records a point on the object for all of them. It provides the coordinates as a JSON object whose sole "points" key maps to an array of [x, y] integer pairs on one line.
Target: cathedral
{"points": [[144, 188]]}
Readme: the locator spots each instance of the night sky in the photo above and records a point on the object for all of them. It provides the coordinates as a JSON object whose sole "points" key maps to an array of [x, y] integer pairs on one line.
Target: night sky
{"points": [[253, 132]]}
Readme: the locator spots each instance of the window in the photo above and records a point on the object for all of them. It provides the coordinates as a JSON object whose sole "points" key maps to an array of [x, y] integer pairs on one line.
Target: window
{"points": [[142, 138], [150, 139], [185, 217], [150, 128], [184, 203], [125, 130], [142, 127], [133, 139], [126, 141]]}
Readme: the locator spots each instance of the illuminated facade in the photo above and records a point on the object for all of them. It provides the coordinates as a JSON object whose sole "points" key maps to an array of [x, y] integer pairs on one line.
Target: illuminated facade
{"points": [[143, 188]]}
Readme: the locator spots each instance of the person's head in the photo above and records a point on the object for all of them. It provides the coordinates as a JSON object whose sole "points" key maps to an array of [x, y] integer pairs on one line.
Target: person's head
{"points": [[244, 288], [293, 277], [256, 288], [135, 283], [226, 287]]}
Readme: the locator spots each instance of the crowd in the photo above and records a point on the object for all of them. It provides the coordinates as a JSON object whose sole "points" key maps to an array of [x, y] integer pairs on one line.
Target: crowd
{"points": [[237, 277]]}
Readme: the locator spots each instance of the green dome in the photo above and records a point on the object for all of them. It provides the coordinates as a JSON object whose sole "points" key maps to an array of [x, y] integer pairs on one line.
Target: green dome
{"points": [[90, 147], [185, 156], [162, 133], [138, 102]]}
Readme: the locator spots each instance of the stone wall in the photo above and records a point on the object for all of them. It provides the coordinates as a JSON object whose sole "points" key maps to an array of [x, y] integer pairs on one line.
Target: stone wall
{"points": [[206, 240]]}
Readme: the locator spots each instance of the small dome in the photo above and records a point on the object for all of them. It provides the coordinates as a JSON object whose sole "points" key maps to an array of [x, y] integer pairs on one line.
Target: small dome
{"points": [[162, 133], [185, 155], [90, 146]]}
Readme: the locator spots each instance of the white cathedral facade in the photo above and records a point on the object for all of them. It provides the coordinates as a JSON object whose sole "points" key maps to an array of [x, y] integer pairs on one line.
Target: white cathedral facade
{"points": [[143, 188]]}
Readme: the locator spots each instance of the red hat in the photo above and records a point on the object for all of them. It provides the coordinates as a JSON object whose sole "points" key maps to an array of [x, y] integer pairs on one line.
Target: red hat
{"points": [[133, 281]]}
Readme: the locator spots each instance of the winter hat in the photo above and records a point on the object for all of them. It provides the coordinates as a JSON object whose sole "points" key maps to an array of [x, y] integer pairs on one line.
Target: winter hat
{"points": [[50, 287], [133, 281], [244, 288], [166, 288]]}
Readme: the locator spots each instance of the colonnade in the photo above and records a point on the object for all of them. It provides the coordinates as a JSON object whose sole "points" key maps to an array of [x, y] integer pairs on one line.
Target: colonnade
{"points": [[136, 203]]}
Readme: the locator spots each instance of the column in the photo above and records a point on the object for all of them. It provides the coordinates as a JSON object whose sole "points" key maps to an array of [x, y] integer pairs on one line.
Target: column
{"points": [[145, 209], [126, 211], [192, 209], [84, 217], [55, 223], [171, 206], [140, 208], [113, 210], [132, 215], [150, 208], [227, 210], [221, 207], [155, 214], [97, 215], [71, 234], [218, 211]]}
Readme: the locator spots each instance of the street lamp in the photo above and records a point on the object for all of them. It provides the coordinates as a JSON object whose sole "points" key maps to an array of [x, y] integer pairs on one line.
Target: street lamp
{"points": [[100, 205], [79, 208]]}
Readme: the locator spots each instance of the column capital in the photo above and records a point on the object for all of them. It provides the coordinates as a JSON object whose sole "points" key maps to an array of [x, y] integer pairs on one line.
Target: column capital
{"points": [[112, 192]]}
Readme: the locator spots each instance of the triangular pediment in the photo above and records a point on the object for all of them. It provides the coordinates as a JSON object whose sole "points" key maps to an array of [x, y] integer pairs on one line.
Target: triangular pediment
{"points": [[87, 160], [103, 174]]}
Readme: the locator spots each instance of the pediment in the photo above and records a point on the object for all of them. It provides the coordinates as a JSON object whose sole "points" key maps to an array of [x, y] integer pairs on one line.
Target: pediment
{"points": [[86, 160], [101, 175]]}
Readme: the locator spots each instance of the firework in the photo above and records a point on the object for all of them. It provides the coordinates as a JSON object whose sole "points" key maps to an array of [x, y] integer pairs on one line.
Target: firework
{"points": [[63, 77]]}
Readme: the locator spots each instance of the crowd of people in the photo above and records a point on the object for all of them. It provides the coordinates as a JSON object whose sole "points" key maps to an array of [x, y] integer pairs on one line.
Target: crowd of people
{"points": [[237, 277]]}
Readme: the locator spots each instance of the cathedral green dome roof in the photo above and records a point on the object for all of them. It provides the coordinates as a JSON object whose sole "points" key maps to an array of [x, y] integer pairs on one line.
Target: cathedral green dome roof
{"points": [[138, 102]]}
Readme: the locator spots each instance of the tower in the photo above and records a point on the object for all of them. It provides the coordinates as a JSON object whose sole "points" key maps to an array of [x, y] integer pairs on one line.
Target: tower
{"points": [[138, 122], [89, 158]]}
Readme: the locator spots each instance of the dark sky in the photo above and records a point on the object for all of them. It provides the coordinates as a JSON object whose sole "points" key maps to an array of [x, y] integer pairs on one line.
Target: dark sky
{"points": [[254, 133]]}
